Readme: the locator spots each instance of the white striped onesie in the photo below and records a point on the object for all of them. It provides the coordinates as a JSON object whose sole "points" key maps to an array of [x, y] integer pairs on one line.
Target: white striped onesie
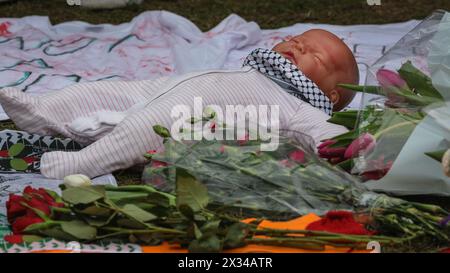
{"points": [[124, 145]]}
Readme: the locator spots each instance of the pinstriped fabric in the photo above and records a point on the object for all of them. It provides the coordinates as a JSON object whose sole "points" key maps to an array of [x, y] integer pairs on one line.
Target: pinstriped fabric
{"points": [[125, 145]]}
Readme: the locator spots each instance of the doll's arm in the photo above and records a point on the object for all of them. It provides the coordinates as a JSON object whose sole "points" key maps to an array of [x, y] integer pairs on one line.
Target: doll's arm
{"points": [[49, 114], [309, 126]]}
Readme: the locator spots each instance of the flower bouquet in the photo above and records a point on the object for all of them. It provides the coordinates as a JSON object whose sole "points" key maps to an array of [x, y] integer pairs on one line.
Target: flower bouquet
{"points": [[206, 180], [394, 142]]}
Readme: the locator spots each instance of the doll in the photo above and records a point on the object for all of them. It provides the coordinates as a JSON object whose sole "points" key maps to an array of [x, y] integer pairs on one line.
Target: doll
{"points": [[115, 118]]}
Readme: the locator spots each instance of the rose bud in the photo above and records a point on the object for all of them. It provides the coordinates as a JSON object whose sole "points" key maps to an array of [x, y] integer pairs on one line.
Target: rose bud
{"points": [[363, 144], [77, 180]]}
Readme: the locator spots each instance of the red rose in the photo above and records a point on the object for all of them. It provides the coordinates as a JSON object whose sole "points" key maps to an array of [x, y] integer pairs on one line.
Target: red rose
{"points": [[41, 198], [13, 239], [339, 222], [23, 222], [20, 216], [13, 207]]}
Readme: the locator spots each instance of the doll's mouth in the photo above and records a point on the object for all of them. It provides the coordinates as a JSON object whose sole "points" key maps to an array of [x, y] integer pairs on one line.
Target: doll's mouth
{"points": [[290, 56]]}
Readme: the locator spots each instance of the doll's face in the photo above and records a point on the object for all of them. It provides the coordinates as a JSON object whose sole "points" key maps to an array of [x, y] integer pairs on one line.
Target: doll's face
{"points": [[324, 58]]}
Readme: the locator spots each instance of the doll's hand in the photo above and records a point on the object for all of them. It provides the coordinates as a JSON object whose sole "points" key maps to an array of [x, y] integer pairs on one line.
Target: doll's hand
{"points": [[96, 124]]}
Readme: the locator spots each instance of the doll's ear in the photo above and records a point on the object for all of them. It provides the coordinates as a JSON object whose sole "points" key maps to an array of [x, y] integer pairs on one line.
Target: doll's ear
{"points": [[334, 96]]}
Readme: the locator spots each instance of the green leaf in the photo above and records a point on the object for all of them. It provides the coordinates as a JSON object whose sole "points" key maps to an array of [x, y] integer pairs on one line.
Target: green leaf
{"points": [[158, 199], [54, 195], [16, 149], [18, 164], [208, 243], [344, 139], [417, 80], [190, 192], [363, 88], [83, 195], [436, 155], [186, 211], [31, 238], [130, 223], [211, 226], [116, 196], [197, 233], [39, 226], [79, 229], [347, 118], [96, 211], [161, 131], [236, 235], [96, 222], [58, 234], [137, 213], [346, 165]]}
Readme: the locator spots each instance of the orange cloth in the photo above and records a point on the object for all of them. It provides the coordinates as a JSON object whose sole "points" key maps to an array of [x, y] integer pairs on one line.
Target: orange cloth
{"points": [[297, 223]]}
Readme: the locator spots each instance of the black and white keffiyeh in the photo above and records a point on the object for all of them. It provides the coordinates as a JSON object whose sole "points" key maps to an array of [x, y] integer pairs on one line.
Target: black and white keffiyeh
{"points": [[288, 76]]}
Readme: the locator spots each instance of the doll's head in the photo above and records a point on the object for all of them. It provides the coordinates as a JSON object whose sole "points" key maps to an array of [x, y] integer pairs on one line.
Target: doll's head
{"points": [[326, 60]]}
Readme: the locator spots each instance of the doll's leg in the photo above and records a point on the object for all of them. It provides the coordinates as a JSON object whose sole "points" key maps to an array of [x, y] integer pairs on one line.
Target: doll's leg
{"points": [[121, 148], [48, 114]]}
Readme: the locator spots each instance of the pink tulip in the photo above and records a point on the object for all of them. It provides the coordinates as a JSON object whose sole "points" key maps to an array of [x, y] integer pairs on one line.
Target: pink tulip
{"points": [[389, 78], [326, 152], [326, 143], [363, 144]]}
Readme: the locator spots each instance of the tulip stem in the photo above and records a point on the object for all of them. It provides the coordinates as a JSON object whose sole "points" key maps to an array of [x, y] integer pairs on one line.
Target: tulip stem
{"points": [[393, 127]]}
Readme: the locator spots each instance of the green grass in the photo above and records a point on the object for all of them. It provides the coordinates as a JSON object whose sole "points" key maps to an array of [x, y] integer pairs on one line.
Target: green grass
{"points": [[268, 14], [208, 13]]}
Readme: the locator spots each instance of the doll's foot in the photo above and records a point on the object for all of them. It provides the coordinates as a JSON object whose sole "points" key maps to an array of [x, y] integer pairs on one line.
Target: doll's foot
{"points": [[59, 164], [22, 109]]}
